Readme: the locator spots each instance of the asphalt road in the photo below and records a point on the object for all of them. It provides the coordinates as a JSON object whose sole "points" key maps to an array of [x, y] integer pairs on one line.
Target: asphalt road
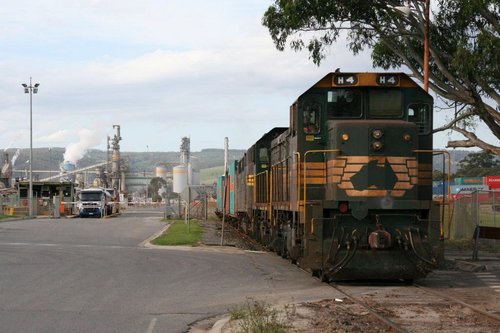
{"points": [[93, 275]]}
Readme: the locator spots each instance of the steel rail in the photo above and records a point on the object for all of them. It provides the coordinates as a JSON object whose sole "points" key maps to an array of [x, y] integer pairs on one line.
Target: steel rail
{"points": [[393, 326], [453, 299]]}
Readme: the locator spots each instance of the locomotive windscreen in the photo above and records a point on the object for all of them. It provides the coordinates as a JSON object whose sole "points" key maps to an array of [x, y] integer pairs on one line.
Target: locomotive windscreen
{"points": [[385, 103]]}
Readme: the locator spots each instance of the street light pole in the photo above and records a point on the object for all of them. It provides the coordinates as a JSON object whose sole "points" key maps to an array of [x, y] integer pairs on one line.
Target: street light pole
{"points": [[31, 89], [427, 4]]}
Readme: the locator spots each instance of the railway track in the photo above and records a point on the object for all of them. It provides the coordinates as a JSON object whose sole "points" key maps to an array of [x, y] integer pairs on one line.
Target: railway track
{"points": [[418, 309], [397, 307]]}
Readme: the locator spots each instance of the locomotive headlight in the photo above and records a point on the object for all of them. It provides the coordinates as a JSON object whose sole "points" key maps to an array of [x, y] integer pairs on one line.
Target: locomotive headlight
{"points": [[345, 137], [407, 137], [377, 145], [377, 134]]}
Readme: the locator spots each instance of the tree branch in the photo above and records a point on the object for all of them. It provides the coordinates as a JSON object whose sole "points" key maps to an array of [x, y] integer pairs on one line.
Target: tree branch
{"points": [[452, 123], [491, 18], [473, 141]]}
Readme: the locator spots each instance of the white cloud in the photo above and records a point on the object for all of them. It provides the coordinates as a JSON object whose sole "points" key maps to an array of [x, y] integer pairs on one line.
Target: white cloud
{"points": [[160, 69], [55, 138]]}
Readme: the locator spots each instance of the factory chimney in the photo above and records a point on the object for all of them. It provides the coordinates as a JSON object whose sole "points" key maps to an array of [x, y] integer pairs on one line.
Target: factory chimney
{"points": [[115, 159]]}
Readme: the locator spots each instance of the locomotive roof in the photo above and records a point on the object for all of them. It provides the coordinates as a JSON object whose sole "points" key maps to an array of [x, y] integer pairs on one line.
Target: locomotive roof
{"points": [[273, 133], [365, 79]]}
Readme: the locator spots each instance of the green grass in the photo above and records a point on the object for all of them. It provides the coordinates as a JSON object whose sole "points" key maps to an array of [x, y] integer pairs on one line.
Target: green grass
{"points": [[4, 216], [259, 317], [179, 234], [211, 175]]}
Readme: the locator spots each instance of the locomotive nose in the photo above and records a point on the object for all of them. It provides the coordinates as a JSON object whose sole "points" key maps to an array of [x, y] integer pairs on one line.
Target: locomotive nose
{"points": [[373, 137], [376, 160]]}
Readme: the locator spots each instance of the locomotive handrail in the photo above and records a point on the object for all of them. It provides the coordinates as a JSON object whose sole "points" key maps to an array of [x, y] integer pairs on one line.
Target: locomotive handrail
{"points": [[266, 185], [447, 196], [298, 179], [272, 188], [305, 175], [270, 205]]}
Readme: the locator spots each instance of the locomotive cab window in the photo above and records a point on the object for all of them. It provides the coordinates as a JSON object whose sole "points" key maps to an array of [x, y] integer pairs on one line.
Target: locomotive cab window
{"points": [[420, 115], [385, 103], [311, 113], [263, 155], [344, 103]]}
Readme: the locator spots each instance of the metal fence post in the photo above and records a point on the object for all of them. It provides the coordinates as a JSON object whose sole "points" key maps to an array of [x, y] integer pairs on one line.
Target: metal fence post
{"points": [[476, 233]]}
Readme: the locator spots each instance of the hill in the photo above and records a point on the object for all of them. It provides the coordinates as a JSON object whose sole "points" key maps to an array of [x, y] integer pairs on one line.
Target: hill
{"points": [[50, 159]]}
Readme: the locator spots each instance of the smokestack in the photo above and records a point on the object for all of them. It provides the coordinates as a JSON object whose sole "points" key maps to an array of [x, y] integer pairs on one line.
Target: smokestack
{"points": [[185, 150], [115, 158]]}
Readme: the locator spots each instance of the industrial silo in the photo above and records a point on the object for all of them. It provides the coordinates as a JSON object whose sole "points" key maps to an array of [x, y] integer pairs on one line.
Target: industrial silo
{"points": [[161, 172], [194, 171], [180, 174]]}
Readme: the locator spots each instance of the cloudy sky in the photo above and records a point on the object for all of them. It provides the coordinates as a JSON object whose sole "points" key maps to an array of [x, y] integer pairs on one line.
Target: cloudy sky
{"points": [[160, 69]]}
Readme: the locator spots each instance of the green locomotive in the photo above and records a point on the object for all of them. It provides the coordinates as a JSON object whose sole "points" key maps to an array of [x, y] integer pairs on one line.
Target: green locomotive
{"points": [[345, 190]]}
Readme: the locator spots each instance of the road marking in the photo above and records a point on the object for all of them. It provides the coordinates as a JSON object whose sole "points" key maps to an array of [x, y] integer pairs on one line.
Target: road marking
{"points": [[70, 245], [490, 280], [152, 325]]}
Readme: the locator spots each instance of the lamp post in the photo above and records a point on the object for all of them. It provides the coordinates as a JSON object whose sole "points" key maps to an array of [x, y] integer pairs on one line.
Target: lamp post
{"points": [[31, 89], [50, 163], [406, 11]]}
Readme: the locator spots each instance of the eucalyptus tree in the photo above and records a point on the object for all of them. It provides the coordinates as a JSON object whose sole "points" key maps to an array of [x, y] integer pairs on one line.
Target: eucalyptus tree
{"points": [[464, 49]]}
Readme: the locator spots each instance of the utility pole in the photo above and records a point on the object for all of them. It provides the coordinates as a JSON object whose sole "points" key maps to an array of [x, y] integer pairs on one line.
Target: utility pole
{"points": [[224, 194]]}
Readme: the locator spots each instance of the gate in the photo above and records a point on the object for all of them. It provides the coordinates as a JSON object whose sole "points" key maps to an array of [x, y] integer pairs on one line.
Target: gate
{"points": [[476, 215]]}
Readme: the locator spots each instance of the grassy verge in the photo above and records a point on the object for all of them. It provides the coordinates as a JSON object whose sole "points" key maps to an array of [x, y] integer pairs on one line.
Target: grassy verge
{"points": [[179, 234], [4, 216], [257, 316]]}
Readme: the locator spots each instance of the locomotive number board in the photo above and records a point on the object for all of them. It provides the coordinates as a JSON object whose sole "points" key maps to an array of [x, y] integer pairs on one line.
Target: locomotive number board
{"points": [[362, 79]]}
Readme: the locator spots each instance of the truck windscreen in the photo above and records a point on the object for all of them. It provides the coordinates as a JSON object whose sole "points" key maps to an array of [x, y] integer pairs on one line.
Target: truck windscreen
{"points": [[90, 196]]}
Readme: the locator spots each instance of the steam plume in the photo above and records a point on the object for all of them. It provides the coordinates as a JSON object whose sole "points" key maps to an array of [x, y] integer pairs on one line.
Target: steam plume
{"points": [[14, 158], [88, 139]]}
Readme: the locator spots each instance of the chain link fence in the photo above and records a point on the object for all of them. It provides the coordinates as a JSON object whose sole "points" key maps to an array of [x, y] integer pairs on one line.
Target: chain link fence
{"points": [[468, 211]]}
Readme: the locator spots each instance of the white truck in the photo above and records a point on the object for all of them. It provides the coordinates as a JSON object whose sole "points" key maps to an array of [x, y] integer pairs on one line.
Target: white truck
{"points": [[94, 202]]}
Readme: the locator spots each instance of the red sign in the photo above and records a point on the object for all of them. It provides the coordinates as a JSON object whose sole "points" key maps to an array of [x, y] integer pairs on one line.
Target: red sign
{"points": [[493, 181]]}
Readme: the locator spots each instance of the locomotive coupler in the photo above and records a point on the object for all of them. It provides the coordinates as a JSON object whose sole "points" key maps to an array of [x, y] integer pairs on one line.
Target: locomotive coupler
{"points": [[380, 239]]}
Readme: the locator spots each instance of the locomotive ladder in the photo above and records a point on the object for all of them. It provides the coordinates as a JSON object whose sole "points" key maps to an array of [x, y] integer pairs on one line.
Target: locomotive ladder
{"points": [[304, 202]]}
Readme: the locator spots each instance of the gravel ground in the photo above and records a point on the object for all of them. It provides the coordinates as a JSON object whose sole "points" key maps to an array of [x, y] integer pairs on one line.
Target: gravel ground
{"points": [[322, 316], [342, 315]]}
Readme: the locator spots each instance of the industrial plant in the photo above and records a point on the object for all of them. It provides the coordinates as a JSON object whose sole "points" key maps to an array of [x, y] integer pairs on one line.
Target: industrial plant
{"points": [[60, 192]]}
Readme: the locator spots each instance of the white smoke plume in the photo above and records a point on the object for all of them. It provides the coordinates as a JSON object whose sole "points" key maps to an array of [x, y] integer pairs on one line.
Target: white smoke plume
{"points": [[14, 158], [88, 139]]}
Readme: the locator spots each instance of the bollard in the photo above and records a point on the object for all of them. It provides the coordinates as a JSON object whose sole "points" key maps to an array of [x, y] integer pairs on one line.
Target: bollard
{"points": [[57, 204]]}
